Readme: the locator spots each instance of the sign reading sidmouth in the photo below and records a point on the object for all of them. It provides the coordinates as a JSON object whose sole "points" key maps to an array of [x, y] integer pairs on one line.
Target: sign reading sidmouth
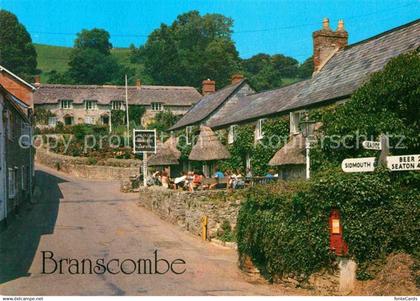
{"points": [[358, 164], [403, 163]]}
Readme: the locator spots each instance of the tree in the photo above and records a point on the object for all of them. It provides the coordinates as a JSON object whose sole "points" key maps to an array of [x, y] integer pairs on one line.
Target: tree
{"points": [[91, 61], [306, 69], [17, 52], [190, 50], [94, 39], [163, 121]]}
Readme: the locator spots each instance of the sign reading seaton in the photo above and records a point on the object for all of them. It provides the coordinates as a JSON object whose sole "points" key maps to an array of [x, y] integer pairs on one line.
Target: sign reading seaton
{"points": [[358, 164], [402, 163], [375, 145]]}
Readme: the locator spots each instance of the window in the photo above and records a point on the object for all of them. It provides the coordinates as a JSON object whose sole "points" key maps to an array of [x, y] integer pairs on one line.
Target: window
{"points": [[232, 134], [188, 134], [157, 106], [52, 121], [90, 120], [259, 134], [66, 104], [90, 104], [12, 183], [295, 119], [117, 105]]}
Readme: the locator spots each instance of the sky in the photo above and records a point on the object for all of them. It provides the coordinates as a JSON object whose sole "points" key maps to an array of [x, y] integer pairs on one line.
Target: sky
{"points": [[260, 26]]}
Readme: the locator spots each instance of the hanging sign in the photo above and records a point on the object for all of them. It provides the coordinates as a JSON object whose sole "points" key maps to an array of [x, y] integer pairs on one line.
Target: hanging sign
{"points": [[374, 145], [403, 163], [358, 164], [144, 141]]}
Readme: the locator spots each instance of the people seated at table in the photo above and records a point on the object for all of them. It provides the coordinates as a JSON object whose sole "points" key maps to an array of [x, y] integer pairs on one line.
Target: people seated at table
{"points": [[196, 180], [218, 175], [237, 180]]}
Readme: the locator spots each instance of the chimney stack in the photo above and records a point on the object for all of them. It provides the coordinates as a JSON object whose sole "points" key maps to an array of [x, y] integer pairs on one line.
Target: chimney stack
{"points": [[327, 41], [138, 84], [37, 80], [236, 78], [209, 87]]}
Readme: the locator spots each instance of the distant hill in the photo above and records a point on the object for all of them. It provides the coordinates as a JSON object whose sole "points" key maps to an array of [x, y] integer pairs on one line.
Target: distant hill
{"points": [[57, 57]]}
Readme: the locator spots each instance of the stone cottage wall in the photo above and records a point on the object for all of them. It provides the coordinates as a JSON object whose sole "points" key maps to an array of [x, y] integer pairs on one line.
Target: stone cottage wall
{"points": [[185, 209], [78, 166]]}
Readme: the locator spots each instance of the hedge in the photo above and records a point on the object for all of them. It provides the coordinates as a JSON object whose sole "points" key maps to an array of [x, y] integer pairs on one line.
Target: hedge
{"points": [[285, 231]]}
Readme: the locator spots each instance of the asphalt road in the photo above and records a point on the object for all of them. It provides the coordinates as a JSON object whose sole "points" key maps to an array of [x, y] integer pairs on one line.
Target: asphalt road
{"points": [[79, 218]]}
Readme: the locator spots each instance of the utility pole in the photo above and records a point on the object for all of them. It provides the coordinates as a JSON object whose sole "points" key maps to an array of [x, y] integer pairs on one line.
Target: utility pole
{"points": [[126, 109]]}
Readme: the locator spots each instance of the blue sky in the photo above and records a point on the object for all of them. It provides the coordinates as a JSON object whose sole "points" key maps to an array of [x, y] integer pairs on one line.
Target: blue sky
{"points": [[269, 26]]}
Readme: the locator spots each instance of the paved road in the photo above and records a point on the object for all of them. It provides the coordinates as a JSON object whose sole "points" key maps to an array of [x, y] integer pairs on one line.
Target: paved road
{"points": [[78, 218]]}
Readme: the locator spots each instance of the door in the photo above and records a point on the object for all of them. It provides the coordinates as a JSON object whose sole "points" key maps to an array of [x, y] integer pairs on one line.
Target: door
{"points": [[2, 164]]}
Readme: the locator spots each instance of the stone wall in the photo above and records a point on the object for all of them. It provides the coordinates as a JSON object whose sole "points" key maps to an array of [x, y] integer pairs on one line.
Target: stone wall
{"points": [[185, 209], [79, 167]]}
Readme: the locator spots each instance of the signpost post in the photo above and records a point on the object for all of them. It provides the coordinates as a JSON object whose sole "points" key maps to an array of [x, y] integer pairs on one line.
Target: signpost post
{"points": [[144, 141]]}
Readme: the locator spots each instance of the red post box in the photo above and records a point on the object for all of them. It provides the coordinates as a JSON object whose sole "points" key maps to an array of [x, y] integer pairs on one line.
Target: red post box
{"points": [[337, 243]]}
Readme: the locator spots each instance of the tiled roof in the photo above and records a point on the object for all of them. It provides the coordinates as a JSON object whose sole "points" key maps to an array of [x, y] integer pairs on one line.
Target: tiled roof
{"points": [[344, 73], [169, 95], [258, 105], [206, 106], [348, 69]]}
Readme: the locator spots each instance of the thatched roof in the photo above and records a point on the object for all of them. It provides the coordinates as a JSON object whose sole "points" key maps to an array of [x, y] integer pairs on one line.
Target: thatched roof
{"points": [[164, 156], [293, 153], [144, 95], [172, 143], [208, 147]]}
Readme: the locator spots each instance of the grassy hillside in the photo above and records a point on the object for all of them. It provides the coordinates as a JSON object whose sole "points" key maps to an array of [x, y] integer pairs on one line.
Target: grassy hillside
{"points": [[57, 57]]}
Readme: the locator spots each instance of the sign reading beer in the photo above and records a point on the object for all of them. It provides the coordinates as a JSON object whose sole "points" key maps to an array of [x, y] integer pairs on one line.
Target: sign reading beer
{"points": [[375, 145], [358, 164], [144, 141], [402, 163]]}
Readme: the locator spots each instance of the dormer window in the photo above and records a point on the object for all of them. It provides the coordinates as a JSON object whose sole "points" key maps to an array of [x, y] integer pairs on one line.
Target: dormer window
{"points": [[66, 104], [232, 134], [157, 106], [259, 133], [117, 105], [90, 104]]}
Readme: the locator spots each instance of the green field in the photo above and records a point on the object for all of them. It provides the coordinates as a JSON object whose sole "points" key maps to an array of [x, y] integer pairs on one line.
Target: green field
{"points": [[57, 57]]}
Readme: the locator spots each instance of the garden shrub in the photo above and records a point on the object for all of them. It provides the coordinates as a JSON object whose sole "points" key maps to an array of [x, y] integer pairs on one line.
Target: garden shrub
{"points": [[286, 232]]}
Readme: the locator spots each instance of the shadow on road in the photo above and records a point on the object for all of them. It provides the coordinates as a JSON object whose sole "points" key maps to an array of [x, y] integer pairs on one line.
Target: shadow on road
{"points": [[19, 242]]}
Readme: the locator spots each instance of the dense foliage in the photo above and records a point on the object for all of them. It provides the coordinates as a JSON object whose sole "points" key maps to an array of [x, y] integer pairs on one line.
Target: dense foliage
{"points": [[275, 131], [91, 61], [284, 229], [17, 53], [190, 50], [388, 103], [266, 71], [163, 121]]}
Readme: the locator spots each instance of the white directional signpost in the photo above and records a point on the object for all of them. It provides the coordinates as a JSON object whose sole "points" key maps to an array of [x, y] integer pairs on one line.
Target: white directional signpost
{"points": [[403, 163], [358, 164], [374, 145], [144, 141]]}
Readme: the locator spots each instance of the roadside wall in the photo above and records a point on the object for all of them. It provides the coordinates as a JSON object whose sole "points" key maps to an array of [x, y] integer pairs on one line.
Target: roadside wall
{"points": [[185, 209], [79, 167]]}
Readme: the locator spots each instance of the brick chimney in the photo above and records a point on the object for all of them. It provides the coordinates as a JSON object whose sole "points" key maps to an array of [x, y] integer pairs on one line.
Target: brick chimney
{"points": [[236, 78], [209, 86], [37, 81], [327, 41], [138, 84]]}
